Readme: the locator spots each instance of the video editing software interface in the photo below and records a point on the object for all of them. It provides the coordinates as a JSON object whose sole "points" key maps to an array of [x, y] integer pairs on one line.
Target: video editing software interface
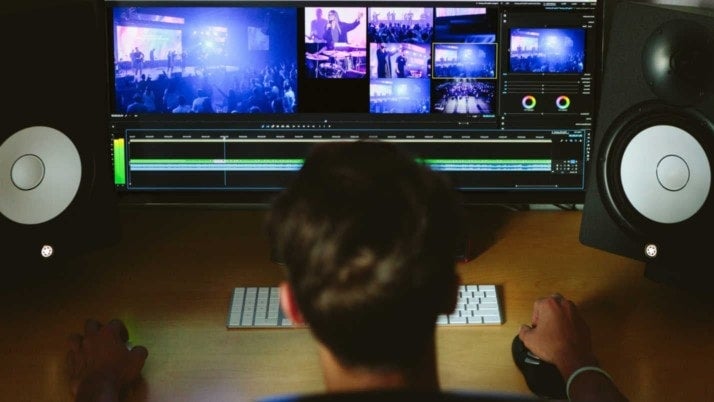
{"points": [[224, 97]]}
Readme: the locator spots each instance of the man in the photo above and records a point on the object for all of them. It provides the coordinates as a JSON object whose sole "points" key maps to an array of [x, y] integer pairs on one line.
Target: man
{"points": [[317, 26], [137, 105], [137, 61], [384, 61], [401, 65], [368, 237]]}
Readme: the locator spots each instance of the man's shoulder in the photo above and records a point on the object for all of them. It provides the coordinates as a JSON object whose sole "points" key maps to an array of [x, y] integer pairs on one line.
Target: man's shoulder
{"points": [[402, 395]]}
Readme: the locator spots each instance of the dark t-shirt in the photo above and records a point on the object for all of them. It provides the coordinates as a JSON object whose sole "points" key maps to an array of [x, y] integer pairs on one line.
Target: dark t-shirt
{"points": [[403, 395]]}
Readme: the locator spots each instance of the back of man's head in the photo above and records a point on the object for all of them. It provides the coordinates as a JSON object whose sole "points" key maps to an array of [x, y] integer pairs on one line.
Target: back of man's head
{"points": [[368, 236]]}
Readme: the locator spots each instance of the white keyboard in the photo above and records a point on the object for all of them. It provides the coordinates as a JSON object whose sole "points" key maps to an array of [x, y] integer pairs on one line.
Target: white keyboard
{"points": [[476, 305], [256, 307], [259, 307]]}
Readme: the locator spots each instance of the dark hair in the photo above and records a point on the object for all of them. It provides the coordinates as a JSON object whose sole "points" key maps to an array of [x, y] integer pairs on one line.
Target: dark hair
{"points": [[368, 236]]}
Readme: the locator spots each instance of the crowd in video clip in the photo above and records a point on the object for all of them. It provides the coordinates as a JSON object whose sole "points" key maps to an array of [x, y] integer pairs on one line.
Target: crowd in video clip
{"points": [[402, 25], [547, 50], [465, 61], [204, 60], [465, 96], [399, 96]]}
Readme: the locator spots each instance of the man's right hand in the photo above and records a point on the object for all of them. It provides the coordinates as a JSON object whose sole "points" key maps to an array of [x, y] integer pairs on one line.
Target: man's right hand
{"points": [[558, 334]]}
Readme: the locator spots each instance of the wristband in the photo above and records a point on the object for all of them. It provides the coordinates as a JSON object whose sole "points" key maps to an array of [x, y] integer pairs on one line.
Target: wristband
{"points": [[580, 371]]}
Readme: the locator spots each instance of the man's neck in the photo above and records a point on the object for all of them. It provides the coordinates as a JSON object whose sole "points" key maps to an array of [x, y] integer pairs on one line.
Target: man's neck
{"points": [[341, 378]]}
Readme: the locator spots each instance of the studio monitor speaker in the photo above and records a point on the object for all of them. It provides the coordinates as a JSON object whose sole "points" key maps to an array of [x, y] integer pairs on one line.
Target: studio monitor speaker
{"points": [[649, 195], [56, 194]]}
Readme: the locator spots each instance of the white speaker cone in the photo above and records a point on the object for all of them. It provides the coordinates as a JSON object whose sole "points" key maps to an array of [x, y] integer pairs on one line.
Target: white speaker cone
{"points": [[40, 172], [665, 174]]}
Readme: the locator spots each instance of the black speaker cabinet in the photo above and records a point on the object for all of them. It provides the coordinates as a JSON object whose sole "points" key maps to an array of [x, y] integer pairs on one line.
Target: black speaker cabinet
{"points": [[56, 194], [649, 195]]}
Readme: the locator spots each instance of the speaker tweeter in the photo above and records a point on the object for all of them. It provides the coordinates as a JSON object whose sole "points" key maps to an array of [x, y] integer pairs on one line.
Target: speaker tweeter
{"points": [[678, 62]]}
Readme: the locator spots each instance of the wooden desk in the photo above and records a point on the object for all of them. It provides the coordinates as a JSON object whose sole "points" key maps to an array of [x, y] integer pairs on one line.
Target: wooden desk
{"points": [[171, 278]]}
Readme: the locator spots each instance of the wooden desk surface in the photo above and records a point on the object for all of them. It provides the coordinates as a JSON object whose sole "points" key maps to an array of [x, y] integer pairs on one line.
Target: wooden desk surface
{"points": [[170, 279]]}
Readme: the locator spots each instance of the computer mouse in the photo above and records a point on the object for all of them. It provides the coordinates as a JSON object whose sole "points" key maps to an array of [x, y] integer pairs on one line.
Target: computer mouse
{"points": [[542, 378]]}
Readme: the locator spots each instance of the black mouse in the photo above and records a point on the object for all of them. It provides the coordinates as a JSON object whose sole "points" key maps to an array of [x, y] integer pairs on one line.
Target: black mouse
{"points": [[542, 378]]}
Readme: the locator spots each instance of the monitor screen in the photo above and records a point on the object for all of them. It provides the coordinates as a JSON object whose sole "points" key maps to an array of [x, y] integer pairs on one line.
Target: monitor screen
{"points": [[220, 101]]}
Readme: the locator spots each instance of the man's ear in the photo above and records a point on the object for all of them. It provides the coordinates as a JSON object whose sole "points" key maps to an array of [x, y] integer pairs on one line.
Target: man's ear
{"points": [[453, 296], [289, 304]]}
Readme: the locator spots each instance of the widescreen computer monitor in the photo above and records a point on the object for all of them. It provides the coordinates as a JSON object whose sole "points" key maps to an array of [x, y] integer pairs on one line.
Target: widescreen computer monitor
{"points": [[220, 101]]}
